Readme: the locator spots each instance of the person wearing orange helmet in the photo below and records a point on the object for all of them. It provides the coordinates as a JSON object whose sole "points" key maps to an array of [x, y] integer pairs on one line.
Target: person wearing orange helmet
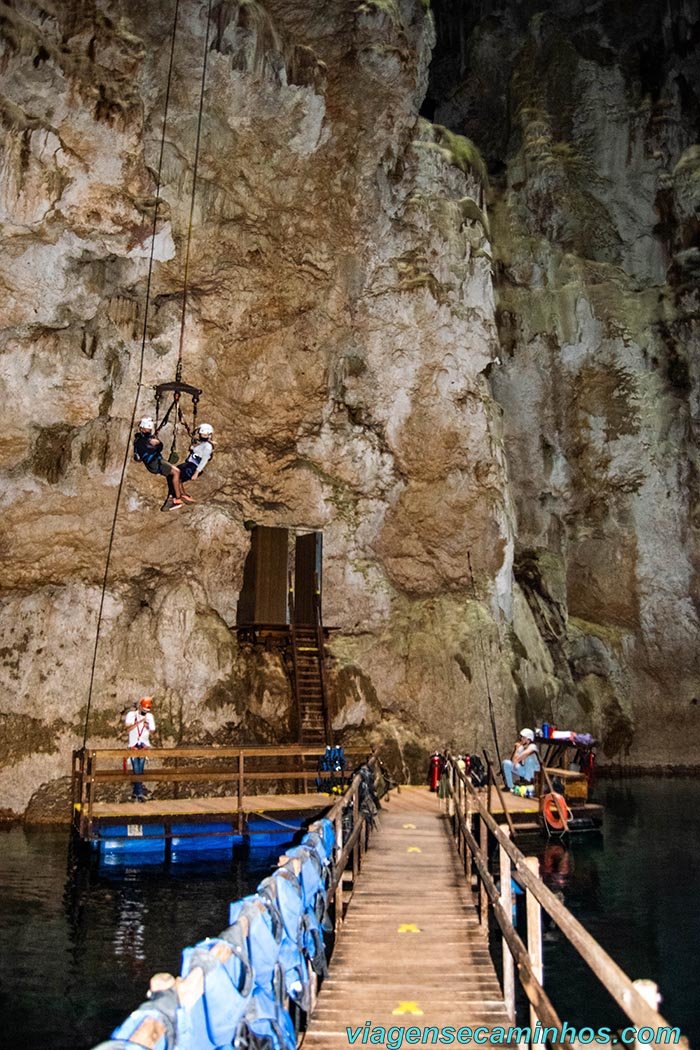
{"points": [[140, 723]]}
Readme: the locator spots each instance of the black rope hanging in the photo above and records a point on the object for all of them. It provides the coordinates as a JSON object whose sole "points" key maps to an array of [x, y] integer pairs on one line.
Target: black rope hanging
{"points": [[177, 387]]}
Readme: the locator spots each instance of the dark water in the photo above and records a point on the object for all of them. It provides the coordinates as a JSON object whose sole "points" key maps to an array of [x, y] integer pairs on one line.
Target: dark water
{"points": [[636, 889], [77, 950]]}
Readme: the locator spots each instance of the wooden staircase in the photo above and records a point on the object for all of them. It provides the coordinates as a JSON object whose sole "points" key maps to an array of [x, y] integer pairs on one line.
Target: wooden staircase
{"points": [[309, 682]]}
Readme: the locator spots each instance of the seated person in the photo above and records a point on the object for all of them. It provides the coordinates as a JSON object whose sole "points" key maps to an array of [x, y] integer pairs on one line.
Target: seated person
{"points": [[201, 451], [149, 451], [524, 761]]}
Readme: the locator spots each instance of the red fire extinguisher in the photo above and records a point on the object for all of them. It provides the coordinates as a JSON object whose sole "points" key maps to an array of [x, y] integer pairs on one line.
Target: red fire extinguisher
{"points": [[434, 770]]}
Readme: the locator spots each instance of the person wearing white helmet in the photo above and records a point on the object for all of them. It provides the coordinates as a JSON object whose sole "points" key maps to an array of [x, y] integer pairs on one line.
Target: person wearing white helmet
{"points": [[149, 451], [524, 761], [201, 451]]}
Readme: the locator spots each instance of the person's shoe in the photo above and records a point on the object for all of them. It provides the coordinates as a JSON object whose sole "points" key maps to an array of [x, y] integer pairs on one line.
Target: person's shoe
{"points": [[141, 798], [172, 504], [187, 499]]}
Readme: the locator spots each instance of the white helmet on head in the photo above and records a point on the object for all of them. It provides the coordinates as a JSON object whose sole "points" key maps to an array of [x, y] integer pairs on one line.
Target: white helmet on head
{"points": [[205, 429], [528, 734], [147, 424]]}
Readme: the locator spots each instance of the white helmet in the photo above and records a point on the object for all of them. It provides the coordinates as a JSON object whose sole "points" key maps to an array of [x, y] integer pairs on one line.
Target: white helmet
{"points": [[205, 429], [147, 424], [528, 734]]}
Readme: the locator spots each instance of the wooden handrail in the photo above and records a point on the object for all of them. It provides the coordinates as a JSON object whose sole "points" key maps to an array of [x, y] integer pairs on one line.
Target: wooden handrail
{"points": [[215, 752], [619, 986]]}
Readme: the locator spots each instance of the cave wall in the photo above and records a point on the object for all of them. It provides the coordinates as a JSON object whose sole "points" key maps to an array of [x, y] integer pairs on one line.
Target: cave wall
{"points": [[341, 321], [484, 397], [588, 116]]}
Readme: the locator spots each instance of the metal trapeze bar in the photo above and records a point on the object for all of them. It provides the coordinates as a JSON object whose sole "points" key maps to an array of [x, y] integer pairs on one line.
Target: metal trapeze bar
{"points": [[177, 388]]}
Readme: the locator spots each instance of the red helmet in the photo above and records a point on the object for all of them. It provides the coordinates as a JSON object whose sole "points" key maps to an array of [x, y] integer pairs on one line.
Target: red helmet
{"points": [[146, 703]]}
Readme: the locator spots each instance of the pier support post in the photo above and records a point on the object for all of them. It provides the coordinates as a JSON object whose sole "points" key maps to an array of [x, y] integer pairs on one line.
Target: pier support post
{"points": [[534, 932], [506, 900]]}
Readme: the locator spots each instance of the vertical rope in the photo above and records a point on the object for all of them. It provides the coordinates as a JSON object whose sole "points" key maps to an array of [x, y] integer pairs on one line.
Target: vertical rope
{"points": [[144, 333], [178, 371], [486, 670]]}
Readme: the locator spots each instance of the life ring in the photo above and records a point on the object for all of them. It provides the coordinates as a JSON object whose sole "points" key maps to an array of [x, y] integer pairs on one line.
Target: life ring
{"points": [[555, 811]]}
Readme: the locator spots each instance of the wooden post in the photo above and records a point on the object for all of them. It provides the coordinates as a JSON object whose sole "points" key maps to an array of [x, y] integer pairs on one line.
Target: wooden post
{"points": [[649, 991], [356, 847], [507, 905], [92, 762], [339, 886], [467, 848], [483, 895], [241, 780], [534, 932]]}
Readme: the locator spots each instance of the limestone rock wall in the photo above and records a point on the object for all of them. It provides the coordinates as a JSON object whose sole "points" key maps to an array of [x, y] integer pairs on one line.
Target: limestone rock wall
{"points": [[341, 321], [588, 117], [487, 400]]}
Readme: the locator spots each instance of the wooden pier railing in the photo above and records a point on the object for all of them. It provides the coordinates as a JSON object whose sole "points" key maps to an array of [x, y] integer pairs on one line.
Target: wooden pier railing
{"points": [[476, 832], [241, 771]]}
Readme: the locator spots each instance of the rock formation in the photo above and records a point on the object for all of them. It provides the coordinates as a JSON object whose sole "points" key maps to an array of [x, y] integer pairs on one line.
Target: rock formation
{"points": [[588, 118], [361, 375]]}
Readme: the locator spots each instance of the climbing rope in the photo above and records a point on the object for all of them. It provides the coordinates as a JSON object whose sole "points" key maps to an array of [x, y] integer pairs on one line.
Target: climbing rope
{"points": [[145, 322], [486, 670], [178, 370]]}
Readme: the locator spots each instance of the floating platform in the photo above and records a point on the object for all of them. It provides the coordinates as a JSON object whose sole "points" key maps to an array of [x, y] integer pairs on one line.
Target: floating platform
{"points": [[525, 813], [181, 829]]}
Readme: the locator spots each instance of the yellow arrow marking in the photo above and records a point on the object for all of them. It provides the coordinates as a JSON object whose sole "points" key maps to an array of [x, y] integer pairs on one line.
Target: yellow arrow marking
{"points": [[407, 1008], [410, 826], [414, 849], [408, 927]]}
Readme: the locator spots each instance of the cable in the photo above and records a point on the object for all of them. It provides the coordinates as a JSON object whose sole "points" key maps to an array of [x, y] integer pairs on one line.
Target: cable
{"points": [[486, 674], [138, 385], [178, 372]]}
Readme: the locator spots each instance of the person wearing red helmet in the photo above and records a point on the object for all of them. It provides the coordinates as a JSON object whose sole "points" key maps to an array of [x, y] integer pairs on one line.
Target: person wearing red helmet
{"points": [[140, 723]]}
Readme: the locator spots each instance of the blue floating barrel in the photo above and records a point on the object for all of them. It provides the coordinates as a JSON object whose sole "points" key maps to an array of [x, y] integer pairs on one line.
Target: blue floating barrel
{"points": [[190, 839], [132, 844]]}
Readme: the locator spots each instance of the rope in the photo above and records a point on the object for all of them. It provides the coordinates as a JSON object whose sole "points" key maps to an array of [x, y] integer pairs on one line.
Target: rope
{"points": [[280, 823], [486, 670], [178, 371], [138, 385]]}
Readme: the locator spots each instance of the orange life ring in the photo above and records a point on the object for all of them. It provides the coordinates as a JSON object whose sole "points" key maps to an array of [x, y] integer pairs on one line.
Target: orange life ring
{"points": [[555, 811]]}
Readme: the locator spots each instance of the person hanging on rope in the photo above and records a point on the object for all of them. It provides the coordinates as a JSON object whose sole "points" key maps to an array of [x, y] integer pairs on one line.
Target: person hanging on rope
{"points": [[201, 451], [140, 723], [149, 451]]}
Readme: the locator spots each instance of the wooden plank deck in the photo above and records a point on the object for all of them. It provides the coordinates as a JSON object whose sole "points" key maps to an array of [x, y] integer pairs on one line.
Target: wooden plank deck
{"points": [[383, 973], [208, 807]]}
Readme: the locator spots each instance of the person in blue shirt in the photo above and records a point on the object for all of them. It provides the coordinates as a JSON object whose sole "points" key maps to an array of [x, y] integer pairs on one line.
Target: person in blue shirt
{"points": [[149, 451], [524, 761]]}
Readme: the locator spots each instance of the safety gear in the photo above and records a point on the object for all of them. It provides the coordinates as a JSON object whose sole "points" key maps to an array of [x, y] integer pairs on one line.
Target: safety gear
{"points": [[206, 430], [147, 424], [528, 734], [146, 703], [146, 453]]}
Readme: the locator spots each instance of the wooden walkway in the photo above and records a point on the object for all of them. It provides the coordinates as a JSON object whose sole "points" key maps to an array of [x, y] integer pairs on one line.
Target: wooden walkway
{"points": [[411, 951]]}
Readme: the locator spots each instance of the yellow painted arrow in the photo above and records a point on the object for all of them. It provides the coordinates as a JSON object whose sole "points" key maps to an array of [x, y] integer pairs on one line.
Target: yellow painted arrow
{"points": [[414, 849], [408, 927], [407, 1008], [410, 826]]}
